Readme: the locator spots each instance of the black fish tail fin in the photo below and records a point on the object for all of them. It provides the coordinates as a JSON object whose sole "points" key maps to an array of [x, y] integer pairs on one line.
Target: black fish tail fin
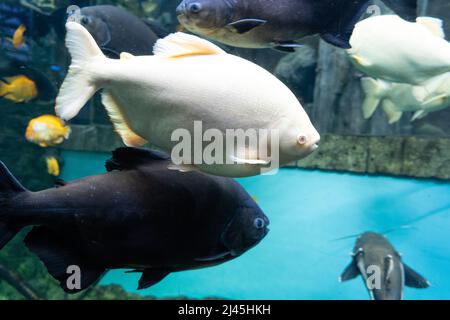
{"points": [[9, 186], [341, 29]]}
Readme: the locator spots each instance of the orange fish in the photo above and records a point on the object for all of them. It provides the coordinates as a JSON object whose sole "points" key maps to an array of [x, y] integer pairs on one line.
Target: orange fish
{"points": [[47, 130], [18, 38], [18, 89], [52, 166]]}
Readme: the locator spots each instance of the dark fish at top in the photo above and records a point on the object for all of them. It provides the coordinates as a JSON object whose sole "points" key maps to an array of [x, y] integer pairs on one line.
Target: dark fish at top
{"points": [[373, 253], [139, 215], [116, 30], [279, 24]]}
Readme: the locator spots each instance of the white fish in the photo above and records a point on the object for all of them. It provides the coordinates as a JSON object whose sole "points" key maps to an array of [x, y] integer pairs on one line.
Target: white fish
{"points": [[188, 79], [397, 98], [392, 49]]}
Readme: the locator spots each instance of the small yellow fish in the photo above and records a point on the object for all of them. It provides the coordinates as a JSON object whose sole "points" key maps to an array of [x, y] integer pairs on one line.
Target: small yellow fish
{"points": [[52, 166], [18, 38], [18, 89], [47, 130]]}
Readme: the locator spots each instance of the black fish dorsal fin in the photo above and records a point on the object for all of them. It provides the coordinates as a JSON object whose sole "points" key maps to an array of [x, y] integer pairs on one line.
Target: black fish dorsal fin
{"points": [[341, 29], [8, 183], [129, 158]]}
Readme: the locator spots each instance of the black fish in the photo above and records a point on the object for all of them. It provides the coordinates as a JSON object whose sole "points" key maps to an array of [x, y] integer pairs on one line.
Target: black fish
{"points": [[116, 30], [139, 215], [279, 23], [373, 253]]}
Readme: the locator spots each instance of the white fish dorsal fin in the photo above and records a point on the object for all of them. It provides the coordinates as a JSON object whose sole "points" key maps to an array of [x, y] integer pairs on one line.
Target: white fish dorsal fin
{"points": [[126, 56], [178, 45], [434, 25], [130, 138]]}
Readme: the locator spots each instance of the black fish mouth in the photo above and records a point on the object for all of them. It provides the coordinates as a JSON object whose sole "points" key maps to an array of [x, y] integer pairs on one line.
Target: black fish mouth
{"points": [[217, 257], [181, 10], [236, 253]]}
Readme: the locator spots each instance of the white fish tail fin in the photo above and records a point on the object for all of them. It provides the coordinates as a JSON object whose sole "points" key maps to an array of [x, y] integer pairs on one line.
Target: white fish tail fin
{"points": [[78, 86], [374, 91]]}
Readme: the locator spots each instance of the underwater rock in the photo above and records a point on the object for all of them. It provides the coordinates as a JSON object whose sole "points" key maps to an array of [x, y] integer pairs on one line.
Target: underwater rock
{"points": [[424, 156], [419, 157], [298, 71], [340, 153]]}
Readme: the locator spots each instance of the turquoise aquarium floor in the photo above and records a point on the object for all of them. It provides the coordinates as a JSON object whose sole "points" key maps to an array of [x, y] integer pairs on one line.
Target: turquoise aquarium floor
{"points": [[301, 257]]}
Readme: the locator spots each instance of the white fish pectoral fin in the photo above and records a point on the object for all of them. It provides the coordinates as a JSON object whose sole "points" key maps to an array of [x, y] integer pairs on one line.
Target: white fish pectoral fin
{"points": [[182, 167], [434, 25], [77, 88], [130, 138], [179, 45], [249, 161], [392, 114], [419, 115], [361, 61], [126, 56]]}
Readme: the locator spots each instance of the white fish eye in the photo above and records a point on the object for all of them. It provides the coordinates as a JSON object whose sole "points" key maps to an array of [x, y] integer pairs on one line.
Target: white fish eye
{"points": [[259, 223], [195, 7], [301, 139]]}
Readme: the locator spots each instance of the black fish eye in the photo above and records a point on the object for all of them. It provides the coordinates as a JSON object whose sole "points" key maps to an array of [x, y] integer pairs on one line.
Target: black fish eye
{"points": [[259, 223], [195, 7], [85, 20]]}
